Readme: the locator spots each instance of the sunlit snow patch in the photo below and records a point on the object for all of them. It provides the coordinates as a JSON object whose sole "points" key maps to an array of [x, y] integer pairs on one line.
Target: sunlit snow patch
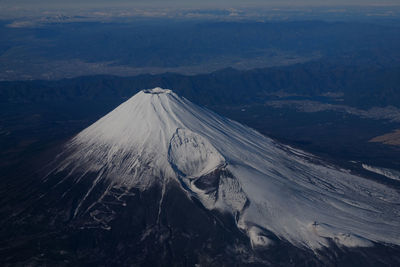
{"points": [[192, 154], [389, 173]]}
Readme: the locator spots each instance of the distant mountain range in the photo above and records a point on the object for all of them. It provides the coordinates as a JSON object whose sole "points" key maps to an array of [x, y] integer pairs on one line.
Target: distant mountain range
{"points": [[357, 86]]}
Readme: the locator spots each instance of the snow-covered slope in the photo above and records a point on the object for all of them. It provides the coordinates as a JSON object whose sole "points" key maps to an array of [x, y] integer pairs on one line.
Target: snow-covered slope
{"points": [[273, 191], [388, 173]]}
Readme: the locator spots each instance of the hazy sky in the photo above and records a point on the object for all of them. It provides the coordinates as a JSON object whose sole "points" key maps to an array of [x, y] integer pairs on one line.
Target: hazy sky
{"points": [[195, 3]]}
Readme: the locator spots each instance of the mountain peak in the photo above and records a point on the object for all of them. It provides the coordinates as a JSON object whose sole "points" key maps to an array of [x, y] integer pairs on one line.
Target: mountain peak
{"points": [[156, 91], [273, 191]]}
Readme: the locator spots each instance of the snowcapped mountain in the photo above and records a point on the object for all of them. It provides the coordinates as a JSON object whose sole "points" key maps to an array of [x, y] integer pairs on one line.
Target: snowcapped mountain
{"points": [[274, 192]]}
